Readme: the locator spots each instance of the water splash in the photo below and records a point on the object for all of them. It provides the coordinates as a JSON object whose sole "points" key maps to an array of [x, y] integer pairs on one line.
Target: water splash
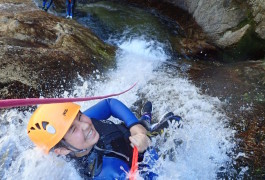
{"points": [[196, 151]]}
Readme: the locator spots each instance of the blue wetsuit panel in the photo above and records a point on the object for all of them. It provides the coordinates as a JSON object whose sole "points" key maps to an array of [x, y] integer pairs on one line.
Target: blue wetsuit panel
{"points": [[111, 165], [111, 169], [112, 107]]}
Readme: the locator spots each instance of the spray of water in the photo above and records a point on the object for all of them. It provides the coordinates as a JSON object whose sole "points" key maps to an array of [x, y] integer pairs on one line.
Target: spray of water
{"points": [[196, 151]]}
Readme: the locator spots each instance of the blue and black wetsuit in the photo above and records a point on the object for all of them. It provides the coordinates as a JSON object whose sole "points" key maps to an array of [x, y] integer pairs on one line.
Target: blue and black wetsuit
{"points": [[111, 156], [44, 7], [70, 4]]}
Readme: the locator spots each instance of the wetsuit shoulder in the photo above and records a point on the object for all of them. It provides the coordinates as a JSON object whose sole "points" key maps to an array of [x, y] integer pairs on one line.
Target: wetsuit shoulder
{"points": [[112, 107]]}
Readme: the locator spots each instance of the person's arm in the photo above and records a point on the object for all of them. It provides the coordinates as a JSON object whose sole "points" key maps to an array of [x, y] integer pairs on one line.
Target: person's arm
{"points": [[112, 107]]}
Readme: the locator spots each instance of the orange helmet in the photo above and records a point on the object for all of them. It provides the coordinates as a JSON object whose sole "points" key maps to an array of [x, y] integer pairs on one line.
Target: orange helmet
{"points": [[50, 122]]}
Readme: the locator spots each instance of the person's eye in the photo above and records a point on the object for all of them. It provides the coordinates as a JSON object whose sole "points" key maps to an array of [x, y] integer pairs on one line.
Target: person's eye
{"points": [[70, 129], [80, 116], [73, 129]]}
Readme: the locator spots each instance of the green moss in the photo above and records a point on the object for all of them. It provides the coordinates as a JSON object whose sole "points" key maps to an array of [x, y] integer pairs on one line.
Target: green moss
{"points": [[250, 47], [108, 58], [259, 172], [103, 55]]}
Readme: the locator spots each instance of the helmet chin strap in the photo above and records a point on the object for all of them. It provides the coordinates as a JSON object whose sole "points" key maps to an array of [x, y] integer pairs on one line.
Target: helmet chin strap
{"points": [[75, 150], [72, 148]]}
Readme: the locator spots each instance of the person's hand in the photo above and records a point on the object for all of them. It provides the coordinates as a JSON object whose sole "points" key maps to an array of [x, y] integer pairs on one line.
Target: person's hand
{"points": [[139, 138]]}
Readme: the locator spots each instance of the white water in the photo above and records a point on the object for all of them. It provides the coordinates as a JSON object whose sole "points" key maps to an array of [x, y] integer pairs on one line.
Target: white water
{"points": [[205, 140]]}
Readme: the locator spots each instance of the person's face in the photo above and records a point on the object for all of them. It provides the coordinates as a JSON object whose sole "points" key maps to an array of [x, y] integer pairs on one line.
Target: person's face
{"points": [[82, 133]]}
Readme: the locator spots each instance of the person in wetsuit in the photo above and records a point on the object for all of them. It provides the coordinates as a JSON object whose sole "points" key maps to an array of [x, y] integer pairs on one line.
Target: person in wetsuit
{"points": [[70, 6], [44, 7], [99, 148]]}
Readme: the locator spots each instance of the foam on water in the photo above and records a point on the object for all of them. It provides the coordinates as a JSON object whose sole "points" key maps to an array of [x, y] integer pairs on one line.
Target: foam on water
{"points": [[136, 60], [198, 149]]}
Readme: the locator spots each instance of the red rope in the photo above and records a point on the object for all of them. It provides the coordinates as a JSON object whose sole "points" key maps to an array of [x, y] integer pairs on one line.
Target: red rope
{"points": [[134, 168], [9, 103]]}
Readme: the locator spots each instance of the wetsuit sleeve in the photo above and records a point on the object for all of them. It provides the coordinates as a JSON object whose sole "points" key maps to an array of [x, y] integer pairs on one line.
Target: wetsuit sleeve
{"points": [[112, 107]]}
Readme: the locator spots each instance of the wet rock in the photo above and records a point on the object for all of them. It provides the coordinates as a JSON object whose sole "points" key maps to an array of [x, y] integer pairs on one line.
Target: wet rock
{"points": [[258, 10], [230, 38], [194, 41], [42, 54], [218, 17], [215, 17], [218, 28]]}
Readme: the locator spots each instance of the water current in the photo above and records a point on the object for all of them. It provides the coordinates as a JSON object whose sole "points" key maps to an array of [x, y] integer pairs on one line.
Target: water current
{"points": [[199, 150]]}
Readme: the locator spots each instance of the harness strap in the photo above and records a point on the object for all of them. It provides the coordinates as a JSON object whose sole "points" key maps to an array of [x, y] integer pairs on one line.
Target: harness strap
{"points": [[110, 151]]}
